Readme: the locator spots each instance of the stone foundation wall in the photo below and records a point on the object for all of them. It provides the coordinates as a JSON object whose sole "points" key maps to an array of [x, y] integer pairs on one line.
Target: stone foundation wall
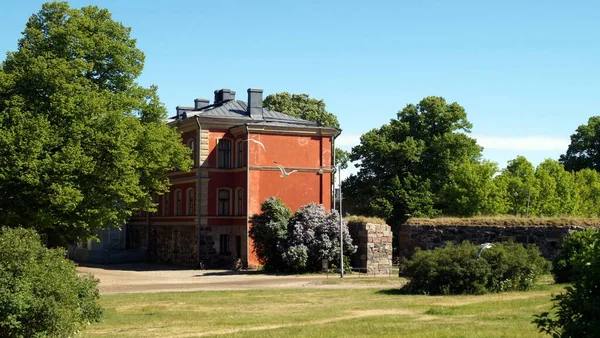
{"points": [[374, 252], [137, 237], [174, 244], [547, 238]]}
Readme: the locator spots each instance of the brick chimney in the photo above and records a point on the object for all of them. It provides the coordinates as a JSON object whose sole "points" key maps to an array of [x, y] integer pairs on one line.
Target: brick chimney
{"points": [[224, 95], [180, 112], [201, 103], [255, 103]]}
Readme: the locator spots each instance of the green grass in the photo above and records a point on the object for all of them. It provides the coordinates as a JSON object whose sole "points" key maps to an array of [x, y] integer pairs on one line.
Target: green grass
{"points": [[321, 313]]}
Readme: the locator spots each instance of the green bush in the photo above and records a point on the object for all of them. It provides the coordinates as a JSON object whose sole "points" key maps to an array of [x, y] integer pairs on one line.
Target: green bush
{"points": [[269, 232], [578, 309], [562, 268], [41, 292], [298, 242], [514, 267], [456, 269]]}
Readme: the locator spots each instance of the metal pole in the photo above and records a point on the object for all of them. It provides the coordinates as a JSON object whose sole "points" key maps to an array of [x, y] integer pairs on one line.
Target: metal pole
{"points": [[341, 226]]}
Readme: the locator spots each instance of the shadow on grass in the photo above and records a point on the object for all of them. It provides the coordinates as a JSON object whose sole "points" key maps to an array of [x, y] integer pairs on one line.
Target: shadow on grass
{"points": [[393, 292]]}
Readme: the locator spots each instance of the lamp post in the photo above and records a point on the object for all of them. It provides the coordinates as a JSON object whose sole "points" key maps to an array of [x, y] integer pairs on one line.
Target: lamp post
{"points": [[341, 225]]}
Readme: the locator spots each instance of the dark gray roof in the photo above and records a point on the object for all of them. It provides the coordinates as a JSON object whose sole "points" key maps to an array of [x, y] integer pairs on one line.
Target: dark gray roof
{"points": [[239, 110], [281, 124]]}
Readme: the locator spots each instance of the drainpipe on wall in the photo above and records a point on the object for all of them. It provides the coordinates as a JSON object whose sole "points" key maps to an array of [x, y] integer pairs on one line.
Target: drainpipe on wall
{"points": [[247, 195], [333, 166], [199, 195]]}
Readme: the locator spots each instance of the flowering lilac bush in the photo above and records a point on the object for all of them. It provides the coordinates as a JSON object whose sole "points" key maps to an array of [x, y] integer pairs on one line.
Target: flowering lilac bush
{"points": [[313, 235], [299, 242], [269, 232]]}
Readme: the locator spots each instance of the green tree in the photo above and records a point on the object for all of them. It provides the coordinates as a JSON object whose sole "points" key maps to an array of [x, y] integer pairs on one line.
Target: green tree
{"points": [[404, 165], [584, 150], [471, 190], [556, 191], [307, 108], [301, 106], [587, 182], [81, 143], [517, 181]]}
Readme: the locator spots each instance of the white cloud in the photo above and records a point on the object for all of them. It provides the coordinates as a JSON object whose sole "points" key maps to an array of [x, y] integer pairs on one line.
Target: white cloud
{"points": [[523, 143], [347, 140]]}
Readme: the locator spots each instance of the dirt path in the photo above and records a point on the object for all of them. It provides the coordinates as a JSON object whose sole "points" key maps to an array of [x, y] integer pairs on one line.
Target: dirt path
{"points": [[133, 278]]}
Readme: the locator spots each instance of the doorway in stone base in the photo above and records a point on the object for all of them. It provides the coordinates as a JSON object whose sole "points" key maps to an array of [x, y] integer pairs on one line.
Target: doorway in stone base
{"points": [[238, 246]]}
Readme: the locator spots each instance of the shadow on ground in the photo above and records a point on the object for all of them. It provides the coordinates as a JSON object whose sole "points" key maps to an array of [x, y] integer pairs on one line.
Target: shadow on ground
{"points": [[135, 267]]}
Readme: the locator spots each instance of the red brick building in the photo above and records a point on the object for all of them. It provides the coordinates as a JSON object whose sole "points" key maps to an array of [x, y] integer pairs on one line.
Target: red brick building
{"points": [[204, 218]]}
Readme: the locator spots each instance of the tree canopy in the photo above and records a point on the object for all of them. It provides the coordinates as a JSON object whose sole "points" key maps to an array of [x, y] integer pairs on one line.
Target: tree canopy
{"points": [[81, 143], [584, 150], [405, 164], [307, 108]]}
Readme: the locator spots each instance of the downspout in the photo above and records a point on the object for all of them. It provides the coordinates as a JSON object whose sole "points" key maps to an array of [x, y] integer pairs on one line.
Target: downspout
{"points": [[247, 194], [333, 166], [199, 195]]}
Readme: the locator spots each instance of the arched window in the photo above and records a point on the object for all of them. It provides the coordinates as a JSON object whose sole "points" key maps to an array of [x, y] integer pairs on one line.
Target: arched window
{"points": [[178, 202], [224, 153], [165, 205], [239, 204], [190, 144], [190, 202], [240, 154], [223, 203]]}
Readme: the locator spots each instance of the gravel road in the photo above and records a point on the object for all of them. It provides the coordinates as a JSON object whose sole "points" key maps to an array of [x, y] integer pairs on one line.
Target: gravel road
{"points": [[134, 278]]}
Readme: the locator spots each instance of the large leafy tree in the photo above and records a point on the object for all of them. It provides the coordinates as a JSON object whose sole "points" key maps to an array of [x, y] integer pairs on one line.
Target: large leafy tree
{"points": [[404, 165], [587, 183], [556, 190], [305, 107], [81, 143], [518, 184], [584, 150], [471, 190]]}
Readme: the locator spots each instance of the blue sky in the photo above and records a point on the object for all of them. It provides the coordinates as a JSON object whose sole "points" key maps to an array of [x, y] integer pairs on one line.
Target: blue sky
{"points": [[527, 73]]}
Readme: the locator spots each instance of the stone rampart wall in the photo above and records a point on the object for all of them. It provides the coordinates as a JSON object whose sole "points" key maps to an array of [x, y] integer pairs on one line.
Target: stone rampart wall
{"points": [[547, 238]]}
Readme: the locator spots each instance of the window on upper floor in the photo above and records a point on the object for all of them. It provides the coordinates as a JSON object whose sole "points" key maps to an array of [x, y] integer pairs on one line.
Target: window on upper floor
{"points": [[239, 205], [190, 144], [165, 206], [224, 153], [190, 202], [178, 202], [240, 154], [223, 205]]}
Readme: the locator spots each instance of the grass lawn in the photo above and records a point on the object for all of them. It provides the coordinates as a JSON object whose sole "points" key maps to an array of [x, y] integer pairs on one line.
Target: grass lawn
{"points": [[313, 312]]}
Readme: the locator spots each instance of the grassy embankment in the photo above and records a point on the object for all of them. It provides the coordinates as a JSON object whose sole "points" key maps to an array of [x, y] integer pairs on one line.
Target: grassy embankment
{"points": [[507, 221]]}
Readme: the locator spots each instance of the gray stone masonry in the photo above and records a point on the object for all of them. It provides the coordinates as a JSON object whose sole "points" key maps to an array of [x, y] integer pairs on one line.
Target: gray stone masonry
{"points": [[374, 247], [547, 238]]}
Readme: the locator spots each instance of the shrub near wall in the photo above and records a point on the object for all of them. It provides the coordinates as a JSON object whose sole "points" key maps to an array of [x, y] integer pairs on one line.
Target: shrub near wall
{"points": [[562, 267], [457, 269], [577, 311], [41, 293]]}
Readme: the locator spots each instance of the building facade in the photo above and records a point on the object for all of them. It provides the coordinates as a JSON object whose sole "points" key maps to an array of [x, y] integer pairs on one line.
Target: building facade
{"points": [[243, 154]]}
